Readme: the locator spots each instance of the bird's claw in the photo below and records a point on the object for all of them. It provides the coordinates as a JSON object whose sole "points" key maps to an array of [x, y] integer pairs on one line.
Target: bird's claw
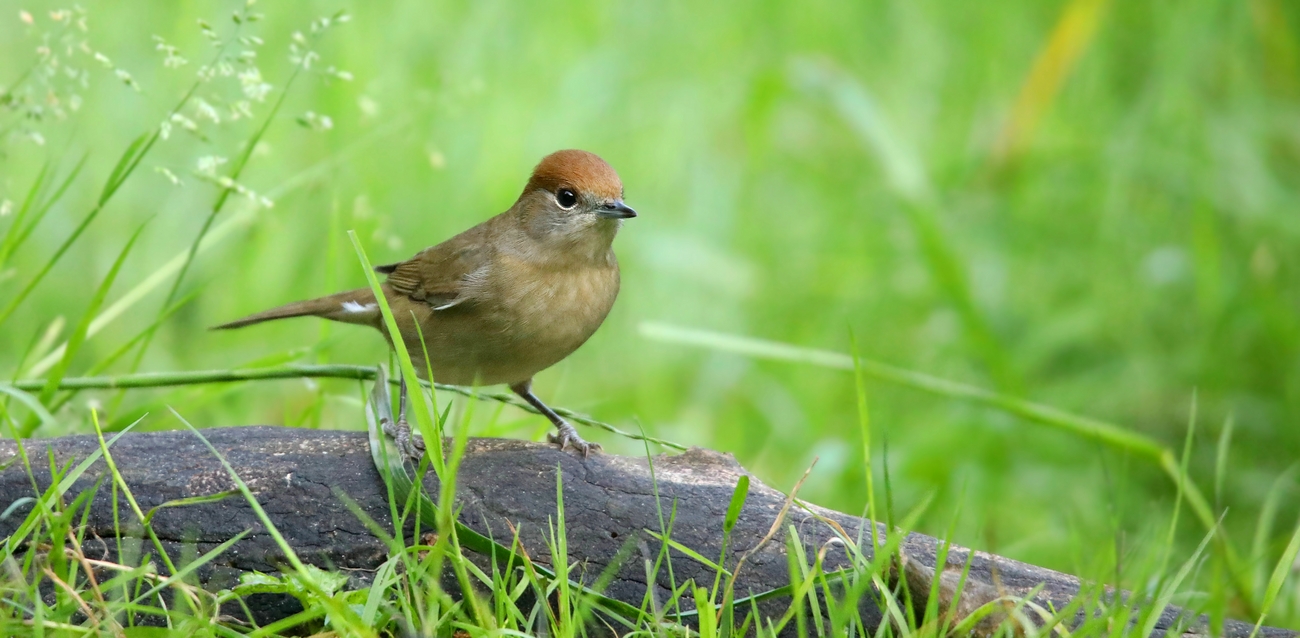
{"points": [[400, 432], [567, 438]]}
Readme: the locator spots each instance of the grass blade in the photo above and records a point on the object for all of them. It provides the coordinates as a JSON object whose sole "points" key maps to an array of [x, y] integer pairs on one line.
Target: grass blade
{"points": [[1171, 587], [38, 409], [79, 333], [20, 238], [864, 429], [132, 156], [191, 500], [15, 227], [1284, 567], [1108, 433], [1268, 513], [64, 484], [1073, 35], [388, 461], [223, 196], [1221, 461], [63, 248], [737, 503], [234, 222], [690, 553], [422, 410], [306, 575]]}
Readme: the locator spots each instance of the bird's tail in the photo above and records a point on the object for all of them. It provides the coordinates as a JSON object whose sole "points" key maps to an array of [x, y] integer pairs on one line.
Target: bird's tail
{"points": [[353, 306]]}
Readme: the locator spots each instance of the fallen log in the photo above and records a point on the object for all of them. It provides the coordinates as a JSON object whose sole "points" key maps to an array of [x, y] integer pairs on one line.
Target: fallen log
{"points": [[298, 473]]}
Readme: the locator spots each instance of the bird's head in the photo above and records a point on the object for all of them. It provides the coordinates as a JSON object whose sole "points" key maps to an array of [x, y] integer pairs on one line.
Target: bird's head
{"points": [[573, 196]]}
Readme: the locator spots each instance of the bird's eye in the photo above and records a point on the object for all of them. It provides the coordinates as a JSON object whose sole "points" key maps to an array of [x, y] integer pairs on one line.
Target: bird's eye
{"points": [[566, 198]]}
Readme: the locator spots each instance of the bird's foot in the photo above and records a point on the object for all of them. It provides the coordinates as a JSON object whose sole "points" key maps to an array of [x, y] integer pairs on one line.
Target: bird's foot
{"points": [[567, 438], [400, 432]]}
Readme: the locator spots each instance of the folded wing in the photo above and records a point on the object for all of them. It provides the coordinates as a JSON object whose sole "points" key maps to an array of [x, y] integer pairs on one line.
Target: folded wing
{"points": [[442, 275]]}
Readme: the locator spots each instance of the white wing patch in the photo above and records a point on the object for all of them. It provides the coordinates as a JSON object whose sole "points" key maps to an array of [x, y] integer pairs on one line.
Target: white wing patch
{"points": [[356, 308]]}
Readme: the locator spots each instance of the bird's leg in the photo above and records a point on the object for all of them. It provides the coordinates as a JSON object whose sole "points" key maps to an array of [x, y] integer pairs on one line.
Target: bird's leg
{"points": [[401, 431], [564, 436]]}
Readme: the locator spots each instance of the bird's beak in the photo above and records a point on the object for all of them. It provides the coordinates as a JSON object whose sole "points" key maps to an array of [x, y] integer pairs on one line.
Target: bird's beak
{"points": [[615, 210]]}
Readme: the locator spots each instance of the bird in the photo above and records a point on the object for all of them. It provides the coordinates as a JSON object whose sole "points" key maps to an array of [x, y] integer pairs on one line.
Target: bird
{"points": [[507, 298]]}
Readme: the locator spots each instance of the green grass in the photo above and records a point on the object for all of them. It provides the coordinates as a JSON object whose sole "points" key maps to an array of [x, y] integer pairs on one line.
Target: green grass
{"points": [[1078, 212], [408, 593]]}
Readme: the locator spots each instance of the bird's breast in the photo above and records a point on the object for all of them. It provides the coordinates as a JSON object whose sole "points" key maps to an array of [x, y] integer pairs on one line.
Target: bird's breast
{"points": [[519, 318], [560, 308]]}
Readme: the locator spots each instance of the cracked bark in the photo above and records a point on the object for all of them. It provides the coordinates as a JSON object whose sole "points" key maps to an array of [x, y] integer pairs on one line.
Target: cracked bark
{"points": [[609, 501]]}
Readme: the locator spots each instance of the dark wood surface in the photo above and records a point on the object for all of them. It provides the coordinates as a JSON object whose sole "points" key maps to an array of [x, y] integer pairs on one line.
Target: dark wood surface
{"points": [[609, 502]]}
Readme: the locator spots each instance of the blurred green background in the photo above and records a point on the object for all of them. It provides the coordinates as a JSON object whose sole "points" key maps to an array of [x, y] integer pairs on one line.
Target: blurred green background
{"points": [[1091, 205]]}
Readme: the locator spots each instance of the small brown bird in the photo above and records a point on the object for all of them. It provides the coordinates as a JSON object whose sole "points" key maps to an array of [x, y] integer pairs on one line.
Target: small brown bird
{"points": [[509, 297]]}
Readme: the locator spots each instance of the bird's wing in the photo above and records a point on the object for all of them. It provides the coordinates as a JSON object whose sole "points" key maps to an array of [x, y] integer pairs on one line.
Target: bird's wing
{"points": [[443, 275]]}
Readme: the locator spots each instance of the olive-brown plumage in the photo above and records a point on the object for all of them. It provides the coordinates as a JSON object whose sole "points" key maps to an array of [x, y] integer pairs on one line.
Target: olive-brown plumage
{"points": [[509, 297]]}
